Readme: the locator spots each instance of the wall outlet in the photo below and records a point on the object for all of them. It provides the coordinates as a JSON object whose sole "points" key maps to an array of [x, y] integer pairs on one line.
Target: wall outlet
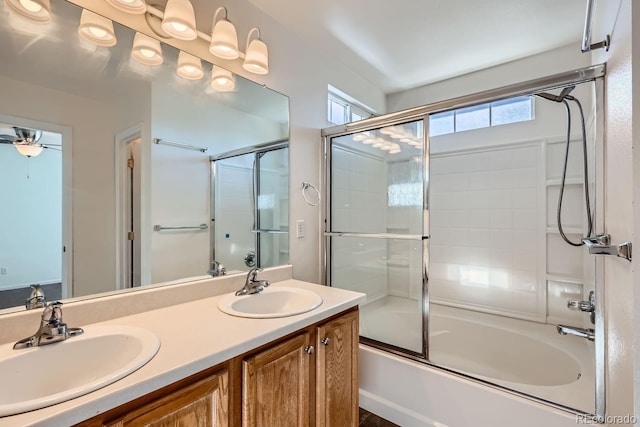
{"points": [[300, 228], [3, 271]]}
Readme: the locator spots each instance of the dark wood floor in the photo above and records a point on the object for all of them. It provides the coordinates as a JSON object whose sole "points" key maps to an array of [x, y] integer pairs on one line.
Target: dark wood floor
{"points": [[367, 419]]}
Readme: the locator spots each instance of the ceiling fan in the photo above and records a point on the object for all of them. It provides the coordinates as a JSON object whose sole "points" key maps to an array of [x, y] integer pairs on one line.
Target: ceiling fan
{"points": [[26, 141]]}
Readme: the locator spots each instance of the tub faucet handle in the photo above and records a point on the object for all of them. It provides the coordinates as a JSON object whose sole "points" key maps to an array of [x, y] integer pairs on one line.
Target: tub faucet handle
{"points": [[586, 306]]}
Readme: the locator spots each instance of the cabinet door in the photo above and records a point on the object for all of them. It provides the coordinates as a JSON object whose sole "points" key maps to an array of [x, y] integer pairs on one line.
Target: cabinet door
{"points": [[275, 385], [337, 372], [202, 404]]}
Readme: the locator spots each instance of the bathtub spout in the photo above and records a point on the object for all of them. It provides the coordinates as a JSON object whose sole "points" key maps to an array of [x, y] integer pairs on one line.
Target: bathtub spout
{"points": [[578, 332]]}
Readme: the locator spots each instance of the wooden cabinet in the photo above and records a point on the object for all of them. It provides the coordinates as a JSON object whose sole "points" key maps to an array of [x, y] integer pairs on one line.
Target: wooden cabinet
{"points": [[308, 378], [281, 383], [337, 372], [202, 404], [275, 385]]}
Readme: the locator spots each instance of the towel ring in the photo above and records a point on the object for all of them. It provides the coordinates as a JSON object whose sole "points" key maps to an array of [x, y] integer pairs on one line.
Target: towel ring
{"points": [[305, 186]]}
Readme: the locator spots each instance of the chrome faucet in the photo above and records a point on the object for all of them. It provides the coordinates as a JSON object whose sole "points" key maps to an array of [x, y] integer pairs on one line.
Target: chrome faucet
{"points": [[217, 269], [251, 284], [36, 298], [52, 329]]}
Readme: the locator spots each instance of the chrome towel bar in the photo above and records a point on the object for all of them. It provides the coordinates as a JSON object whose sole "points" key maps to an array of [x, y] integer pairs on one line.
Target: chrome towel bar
{"points": [[197, 227]]}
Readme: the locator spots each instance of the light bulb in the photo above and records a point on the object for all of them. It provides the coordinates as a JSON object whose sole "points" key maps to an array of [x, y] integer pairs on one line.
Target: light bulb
{"points": [[178, 26], [222, 80], [146, 50], [31, 6], [147, 53], [98, 32], [38, 11]]}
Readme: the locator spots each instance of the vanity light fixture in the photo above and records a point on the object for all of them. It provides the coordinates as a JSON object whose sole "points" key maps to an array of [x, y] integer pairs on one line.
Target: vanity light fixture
{"points": [[38, 11], [136, 7], [224, 38], [189, 66], [146, 50], [29, 150], [222, 80], [96, 29], [256, 58], [179, 20]]}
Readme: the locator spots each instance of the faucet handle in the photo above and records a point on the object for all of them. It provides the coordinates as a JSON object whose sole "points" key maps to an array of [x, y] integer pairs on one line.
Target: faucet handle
{"points": [[52, 313], [253, 273]]}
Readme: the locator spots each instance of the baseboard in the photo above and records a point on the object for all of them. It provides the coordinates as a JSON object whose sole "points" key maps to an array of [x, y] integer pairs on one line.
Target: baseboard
{"points": [[393, 412]]}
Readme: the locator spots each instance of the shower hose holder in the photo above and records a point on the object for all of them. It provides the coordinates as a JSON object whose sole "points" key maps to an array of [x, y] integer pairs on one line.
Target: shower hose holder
{"points": [[601, 245]]}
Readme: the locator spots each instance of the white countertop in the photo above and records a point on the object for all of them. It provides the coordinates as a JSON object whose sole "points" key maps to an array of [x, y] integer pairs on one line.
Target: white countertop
{"points": [[194, 336]]}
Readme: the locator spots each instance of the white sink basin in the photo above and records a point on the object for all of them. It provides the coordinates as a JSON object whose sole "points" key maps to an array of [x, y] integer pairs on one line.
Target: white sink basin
{"points": [[42, 376], [277, 301]]}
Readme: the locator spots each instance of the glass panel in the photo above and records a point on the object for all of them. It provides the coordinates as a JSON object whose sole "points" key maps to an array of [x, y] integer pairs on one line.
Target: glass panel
{"points": [[472, 117], [500, 274], [389, 272], [511, 110], [234, 211], [273, 202], [337, 112], [441, 123], [376, 181]]}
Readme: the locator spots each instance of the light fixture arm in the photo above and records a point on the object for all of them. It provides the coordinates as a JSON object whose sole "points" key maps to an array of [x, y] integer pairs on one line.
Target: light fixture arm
{"points": [[158, 12], [251, 32], [218, 10]]}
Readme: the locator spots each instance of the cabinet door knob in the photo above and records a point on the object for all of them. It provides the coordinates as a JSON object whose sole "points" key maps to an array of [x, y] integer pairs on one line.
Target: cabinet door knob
{"points": [[309, 349], [325, 341]]}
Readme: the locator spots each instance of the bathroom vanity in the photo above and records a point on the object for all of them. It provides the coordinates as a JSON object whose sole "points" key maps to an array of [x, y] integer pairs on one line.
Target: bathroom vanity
{"points": [[214, 369], [307, 378]]}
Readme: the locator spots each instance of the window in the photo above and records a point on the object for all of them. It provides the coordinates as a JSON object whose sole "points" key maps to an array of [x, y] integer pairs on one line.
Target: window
{"points": [[497, 113], [341, 111]]}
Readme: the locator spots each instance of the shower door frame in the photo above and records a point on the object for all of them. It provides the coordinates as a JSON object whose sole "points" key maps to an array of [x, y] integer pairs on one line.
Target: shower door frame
{"points": [[594, 74], [257, 151]]}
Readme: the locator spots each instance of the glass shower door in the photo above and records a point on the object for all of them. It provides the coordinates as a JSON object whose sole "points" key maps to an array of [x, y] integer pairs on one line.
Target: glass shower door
{"points": [[375, 226], [272, 201]]}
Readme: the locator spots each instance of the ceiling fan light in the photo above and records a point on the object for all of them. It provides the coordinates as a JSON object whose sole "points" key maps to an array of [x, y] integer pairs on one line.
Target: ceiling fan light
{"points": [[96, 29], [38, 11], [179, 20], [222, 80], [136, 7], [224, 37], [29, 150], [189, 66], [256, 58], [146, 50]]}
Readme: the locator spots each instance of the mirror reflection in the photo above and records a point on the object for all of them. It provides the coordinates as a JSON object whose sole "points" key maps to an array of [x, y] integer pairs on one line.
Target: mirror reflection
{"points": [[101, 207]]}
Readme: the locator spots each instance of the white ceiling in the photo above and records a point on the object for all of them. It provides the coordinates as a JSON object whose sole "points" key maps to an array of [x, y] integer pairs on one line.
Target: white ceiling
{"points": [[401, 44]]}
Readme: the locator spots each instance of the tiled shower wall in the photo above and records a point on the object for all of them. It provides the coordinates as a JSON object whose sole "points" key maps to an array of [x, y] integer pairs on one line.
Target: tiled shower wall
{"points": [[485, 230], [494, 244]]}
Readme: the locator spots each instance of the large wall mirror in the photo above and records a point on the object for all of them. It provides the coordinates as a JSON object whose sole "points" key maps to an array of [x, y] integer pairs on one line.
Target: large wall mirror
{"points": [[116, 174]]}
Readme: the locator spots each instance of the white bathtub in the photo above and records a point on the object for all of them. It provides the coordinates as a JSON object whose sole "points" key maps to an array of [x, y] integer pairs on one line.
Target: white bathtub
{"points": [[524, 356]]}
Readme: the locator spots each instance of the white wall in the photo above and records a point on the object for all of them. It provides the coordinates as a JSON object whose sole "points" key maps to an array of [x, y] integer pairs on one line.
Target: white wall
{"points": [[31, 222], [621, 19], [541, 65]]}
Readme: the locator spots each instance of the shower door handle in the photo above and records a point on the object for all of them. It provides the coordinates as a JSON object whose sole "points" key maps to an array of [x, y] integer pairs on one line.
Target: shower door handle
{"points": [[601, 245]]}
